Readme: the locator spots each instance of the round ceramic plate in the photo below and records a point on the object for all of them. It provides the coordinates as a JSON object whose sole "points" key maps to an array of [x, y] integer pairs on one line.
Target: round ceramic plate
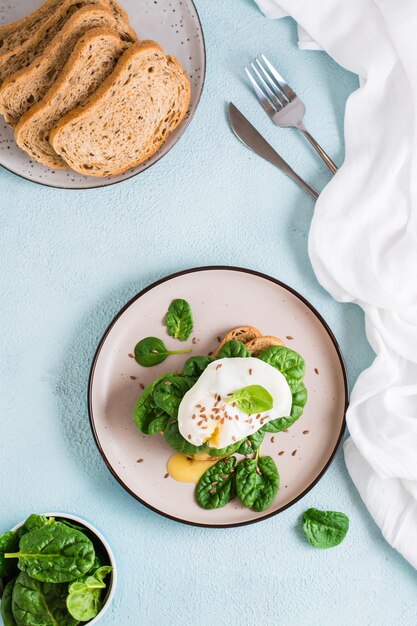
{"points": [[175, 25], [221, 298]]}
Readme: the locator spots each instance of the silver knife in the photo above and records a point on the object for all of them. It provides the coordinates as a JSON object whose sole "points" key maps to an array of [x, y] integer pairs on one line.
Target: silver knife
{"points": [[253, 140]]}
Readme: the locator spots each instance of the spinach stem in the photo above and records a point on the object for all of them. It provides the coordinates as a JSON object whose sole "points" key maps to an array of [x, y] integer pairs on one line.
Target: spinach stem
{"points": [[179, 351]]}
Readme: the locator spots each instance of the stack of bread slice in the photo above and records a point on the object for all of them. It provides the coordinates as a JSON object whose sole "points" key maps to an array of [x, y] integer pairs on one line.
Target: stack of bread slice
{"points": [[82, 92]]}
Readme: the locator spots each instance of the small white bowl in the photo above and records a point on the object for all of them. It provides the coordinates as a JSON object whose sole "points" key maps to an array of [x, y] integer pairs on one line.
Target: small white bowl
{"points": [[111, 588]]}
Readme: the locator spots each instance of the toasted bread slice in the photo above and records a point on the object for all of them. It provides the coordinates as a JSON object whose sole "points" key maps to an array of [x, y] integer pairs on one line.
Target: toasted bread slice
{"points": [[258, 345], [241, 333], [25, 88], [16, 33], [129, 117], [93, 59], [22, 55]]}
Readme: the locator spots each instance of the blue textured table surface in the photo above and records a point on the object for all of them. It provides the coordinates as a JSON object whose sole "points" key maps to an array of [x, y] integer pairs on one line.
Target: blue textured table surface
{"points": [[70, 260]]}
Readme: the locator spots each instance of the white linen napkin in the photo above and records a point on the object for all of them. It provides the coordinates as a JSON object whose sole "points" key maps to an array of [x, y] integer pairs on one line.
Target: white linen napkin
{"points": [[363, 242]]}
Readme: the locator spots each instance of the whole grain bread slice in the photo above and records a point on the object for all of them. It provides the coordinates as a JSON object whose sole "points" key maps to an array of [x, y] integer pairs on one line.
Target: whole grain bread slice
{"points": [[28, 86], [260, 344], [93, 59], [129, 117], [16, 33], [240, 333], [22, 55]]}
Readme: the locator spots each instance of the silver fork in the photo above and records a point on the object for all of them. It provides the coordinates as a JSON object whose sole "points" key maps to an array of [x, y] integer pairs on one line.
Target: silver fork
{"points": [[281, 103]]}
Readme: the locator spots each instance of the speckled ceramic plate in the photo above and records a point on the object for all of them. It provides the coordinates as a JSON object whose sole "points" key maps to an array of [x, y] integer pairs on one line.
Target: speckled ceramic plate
{"points": [[175, 25], [221, 298]]}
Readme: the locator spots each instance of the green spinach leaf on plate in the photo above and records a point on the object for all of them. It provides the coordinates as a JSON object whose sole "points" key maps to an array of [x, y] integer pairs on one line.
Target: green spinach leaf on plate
{"points": [[55, 553], [325, 529], [216, 486], [149, 418], [169, 392], [6, 604], [84, 600], [299, 399], [179, 320], [9, 542], [289, 363], [195, 366], [252, 443], [174, 438], [35, 603], [257, 482], [152, 351], [232, 349]]}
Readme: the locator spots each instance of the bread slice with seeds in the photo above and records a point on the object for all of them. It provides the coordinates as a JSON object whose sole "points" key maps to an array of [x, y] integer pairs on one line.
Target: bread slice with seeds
{"points": [[240, 333], [93, 59], [129, 117], [260, 344], [28, 86], [16, 33], [22, 55]]}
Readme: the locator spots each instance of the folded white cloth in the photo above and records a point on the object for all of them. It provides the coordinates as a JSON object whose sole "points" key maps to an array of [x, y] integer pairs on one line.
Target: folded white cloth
{"points": [[363, 242]]}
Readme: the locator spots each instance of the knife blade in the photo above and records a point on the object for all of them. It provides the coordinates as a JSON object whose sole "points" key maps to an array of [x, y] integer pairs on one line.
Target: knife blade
{"points": [[253, 140]]}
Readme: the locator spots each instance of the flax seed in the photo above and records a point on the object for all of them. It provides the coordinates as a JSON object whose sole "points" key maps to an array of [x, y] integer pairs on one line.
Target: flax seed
{"points": [[193, 417], [289, 337], [141, 386], [166, 475], [214, 483], [233, 438], [139, 461], [210, 354], [316, 370], [294, 452], [189, 437], [224, 476], [219, 366], [234, 404], [281, 452], [250, 371], [249, 442], [199, 423], [167, 383], [305, 432], [212, 491], [285, 430], [272, 439], [132, 356], [203, 408], [219, 339], [133, 377], [237, 418], [258, 471], [194, 341]]}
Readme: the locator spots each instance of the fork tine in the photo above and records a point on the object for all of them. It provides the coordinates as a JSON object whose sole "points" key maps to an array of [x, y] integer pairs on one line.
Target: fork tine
{"points": [[285, 88], [272, 85], [260, 94], [267, 90]]}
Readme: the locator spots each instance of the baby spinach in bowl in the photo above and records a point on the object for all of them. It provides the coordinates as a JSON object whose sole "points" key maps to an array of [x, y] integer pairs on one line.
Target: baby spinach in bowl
{"points": [[72, 584]]}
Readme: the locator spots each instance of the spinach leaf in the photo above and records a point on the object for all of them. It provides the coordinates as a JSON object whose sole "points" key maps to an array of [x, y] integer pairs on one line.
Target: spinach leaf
{"points": [[299, 399], [152, 351], [196, 365], [257, 482], [174, 438], [54, 553], [6, 604], [286, 361], [251, 443], [234, 447], [149, 418], [216, 486], [325, 529], [233, 349], [252, 399], [179, 320], [9, 542], [35, 521], [84, 596], [168, 393], [40, 604]]}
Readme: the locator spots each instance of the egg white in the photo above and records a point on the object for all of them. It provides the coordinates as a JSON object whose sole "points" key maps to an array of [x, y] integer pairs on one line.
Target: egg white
{"points": [[200, 408]]}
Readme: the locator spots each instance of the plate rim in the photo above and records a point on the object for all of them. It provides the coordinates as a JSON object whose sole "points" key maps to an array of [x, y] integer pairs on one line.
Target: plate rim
{"points": [[192, 271], [184, 126]]}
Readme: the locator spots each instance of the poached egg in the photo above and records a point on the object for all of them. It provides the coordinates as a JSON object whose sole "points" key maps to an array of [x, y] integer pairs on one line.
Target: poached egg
{"points": [[205, 414]]}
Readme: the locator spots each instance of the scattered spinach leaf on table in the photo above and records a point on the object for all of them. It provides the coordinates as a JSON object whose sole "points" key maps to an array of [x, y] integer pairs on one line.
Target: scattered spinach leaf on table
{"points": [[233, 349], [179, 320], [216, 486], [325, 529], [252, 399], [84, 600], [55, 553], [152, 351]]}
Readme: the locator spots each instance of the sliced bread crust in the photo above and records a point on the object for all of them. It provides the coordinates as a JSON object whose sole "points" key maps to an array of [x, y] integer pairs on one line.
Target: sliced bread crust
{"points": [[240, 333], [23, 54], [130, 115], [93, 59], [16, 33], [260, 344], [28, 86]]}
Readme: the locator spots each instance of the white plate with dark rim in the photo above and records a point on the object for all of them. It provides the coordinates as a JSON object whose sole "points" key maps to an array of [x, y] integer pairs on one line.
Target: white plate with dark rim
{"points": [[175, 25], [221, 298]]}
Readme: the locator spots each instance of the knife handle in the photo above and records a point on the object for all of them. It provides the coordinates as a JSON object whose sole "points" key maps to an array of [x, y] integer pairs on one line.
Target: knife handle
{"points": [[302, 183]]}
